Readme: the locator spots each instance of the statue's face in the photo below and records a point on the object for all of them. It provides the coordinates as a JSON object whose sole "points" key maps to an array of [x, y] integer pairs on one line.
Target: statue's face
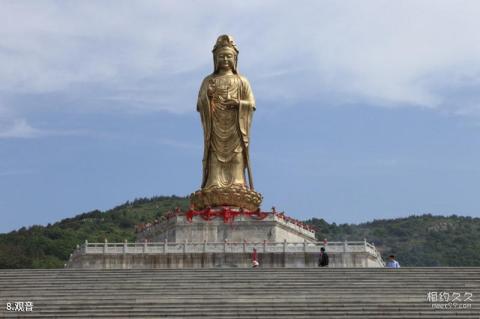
{"points": [[225, 58]]}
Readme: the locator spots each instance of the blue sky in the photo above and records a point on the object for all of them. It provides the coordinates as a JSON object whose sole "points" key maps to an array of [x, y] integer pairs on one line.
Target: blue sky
{"points": [[365, 109]]}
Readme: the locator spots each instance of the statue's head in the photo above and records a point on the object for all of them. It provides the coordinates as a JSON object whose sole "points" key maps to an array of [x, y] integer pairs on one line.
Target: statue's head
{"points": [[225, 54]]}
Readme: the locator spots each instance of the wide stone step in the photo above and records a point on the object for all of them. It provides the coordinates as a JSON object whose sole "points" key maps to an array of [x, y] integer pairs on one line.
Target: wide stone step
{"points": [[147, 315], [245, 314], [267, 316], [240, 280], [312, 281], [157, 284], [238, 293], [292, 309], [212, 293], [247, 270]]}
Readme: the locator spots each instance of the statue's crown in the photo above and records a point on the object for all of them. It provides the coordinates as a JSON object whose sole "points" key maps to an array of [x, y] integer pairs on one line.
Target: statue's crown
{"points": [[225, 40]]}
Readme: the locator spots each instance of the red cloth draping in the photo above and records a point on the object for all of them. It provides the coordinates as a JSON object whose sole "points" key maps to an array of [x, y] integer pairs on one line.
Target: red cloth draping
{"points": [[226, 213]]}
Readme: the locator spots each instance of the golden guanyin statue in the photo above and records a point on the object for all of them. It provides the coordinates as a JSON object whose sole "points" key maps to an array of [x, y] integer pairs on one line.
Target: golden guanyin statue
{"points": [[226, 105]]}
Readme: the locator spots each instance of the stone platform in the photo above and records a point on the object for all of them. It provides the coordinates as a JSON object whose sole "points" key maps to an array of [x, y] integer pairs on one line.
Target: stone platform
{"points": [[226, 254], [222, 237]]}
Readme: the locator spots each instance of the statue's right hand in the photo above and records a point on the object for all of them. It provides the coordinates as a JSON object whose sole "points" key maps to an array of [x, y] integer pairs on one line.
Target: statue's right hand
{"points": [[231, 103]]}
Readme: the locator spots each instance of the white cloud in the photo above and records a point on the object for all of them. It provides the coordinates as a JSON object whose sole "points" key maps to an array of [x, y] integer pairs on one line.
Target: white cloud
{"points": [[152, 54], [19, 128], [11, 127]]}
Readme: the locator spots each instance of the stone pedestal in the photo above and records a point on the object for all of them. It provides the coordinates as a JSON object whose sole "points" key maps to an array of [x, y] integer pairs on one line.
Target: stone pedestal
{"points": [[225, 224], [223, 237]]}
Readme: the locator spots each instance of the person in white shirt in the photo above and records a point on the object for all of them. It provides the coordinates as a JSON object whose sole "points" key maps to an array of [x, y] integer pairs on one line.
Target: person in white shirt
{"points": [[392, 263]]}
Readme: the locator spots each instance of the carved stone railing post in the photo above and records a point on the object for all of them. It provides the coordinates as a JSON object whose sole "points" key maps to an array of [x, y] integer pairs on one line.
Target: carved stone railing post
{"points": [[244, 246], [86, 246], [105, 246], [145, 246], [225, 246], [165, 246], [185, 247], [204, 245], [125, 246], [304, 245], [284, 246], [264, 246]]}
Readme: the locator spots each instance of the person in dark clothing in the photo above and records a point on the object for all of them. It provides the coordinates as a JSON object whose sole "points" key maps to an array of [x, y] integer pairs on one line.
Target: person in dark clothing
{"points": [[323, 260]]}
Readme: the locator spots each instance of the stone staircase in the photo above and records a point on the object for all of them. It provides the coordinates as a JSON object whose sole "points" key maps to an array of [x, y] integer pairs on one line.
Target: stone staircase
{"points": [[241, 293]]}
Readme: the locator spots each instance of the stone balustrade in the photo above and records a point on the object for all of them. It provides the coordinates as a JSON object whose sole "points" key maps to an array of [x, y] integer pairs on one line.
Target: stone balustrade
{"points": [[213, 254], [224, 247]]}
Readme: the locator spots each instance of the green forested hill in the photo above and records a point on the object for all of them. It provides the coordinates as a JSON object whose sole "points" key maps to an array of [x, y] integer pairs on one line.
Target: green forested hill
{"points": [[424, 240], [50, 246], [417, 240]]}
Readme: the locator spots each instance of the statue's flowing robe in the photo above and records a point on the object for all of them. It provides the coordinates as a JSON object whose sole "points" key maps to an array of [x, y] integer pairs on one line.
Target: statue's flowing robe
{"points": [[243, 121]]}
